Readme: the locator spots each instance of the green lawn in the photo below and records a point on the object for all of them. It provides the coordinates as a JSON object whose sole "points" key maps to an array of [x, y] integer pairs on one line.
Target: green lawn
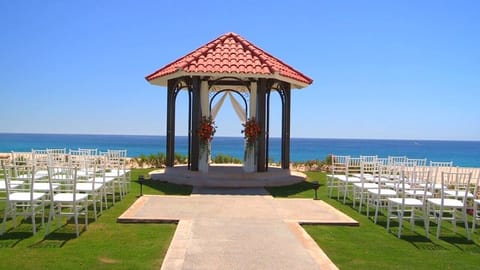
{"points": [[369, 246], [109, 245], [105, 245]]}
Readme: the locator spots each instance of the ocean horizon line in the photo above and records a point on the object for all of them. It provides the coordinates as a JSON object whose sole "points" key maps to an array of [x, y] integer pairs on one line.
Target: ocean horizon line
{"points": [[226, 136]]}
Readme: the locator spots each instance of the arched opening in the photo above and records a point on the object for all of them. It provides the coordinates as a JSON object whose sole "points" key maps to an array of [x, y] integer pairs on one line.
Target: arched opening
{"points": [[182, 128], [274, 127], [228, 107]]}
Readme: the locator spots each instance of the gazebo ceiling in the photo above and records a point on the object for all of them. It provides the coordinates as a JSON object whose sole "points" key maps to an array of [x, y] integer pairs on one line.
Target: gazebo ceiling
{"points": [[230, 55]]}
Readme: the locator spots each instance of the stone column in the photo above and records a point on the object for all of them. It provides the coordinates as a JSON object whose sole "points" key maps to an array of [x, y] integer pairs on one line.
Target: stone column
{"points": [[250, 160], [170, 144], [196, 117], [286, 128], [260, 112], [204, 154]]}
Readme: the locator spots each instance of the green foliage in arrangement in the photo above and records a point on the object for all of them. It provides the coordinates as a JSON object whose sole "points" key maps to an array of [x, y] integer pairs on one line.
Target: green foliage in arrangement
{"points": [[221, 158], [158, 160], [370, 246], [105, 245]]}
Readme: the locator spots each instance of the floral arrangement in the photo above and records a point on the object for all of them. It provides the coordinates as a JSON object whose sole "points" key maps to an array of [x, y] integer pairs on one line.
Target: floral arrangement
{"points": [[206, 130], [251, 131]]}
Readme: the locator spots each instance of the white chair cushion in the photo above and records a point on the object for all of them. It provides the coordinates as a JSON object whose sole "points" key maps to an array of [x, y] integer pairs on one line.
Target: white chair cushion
{"points": [[25, 196], [89, 186], [408, 201], [12, 185], [416, 192], [366, 185], [68, 197], [446, 202], [44, 186], [350, 179], [383, 192], [461, 194]]}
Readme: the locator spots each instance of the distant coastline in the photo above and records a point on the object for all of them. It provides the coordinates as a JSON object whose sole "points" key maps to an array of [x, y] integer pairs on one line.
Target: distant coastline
{"points": [[273, 137], [462, 153]]}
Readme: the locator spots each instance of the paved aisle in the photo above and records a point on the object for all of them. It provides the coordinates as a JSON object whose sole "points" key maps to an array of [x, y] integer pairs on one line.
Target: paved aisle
{"points": [[238, 229]]}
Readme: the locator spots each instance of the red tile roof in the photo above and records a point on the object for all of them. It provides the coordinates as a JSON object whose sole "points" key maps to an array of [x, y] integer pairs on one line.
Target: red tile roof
{"points": [[233, 55]]}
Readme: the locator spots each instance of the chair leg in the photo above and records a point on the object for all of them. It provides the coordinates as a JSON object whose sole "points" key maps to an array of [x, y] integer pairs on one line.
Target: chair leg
{"points": [[400, 222], [465, 220], [389, 212], [474, 217], [5, 215], [50, 214], [360, 203], [377, 206], [33, 220], [427, 220], [94, 200], [439, 223], [14, 214], [412, 219], [43, 213], [329, 186], [75, 217]]}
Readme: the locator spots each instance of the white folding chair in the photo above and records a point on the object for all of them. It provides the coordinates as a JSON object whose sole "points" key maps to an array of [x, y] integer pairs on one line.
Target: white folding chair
{"points": [[67, 201], [22, 199], [368, 171], [476, 200], [404, 206], [378, 196], [87, 181], [340, 177], [446, 207], [397, 160]]}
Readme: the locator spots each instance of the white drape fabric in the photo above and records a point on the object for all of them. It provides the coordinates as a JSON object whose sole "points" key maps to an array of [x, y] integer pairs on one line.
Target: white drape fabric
{"points": [[238, 108], [217, 106], [204, 98], [253, 100]]}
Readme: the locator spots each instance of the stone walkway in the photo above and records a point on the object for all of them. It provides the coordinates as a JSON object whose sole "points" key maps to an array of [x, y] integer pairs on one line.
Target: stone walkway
{"points": [[238, 229]]}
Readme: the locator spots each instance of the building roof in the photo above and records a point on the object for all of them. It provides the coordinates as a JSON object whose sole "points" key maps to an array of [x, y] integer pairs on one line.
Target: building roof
{"points": [[230, 55]]}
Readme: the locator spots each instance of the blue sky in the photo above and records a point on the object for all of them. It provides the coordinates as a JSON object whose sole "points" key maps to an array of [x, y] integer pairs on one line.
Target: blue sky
{"points": [[381, 69]]}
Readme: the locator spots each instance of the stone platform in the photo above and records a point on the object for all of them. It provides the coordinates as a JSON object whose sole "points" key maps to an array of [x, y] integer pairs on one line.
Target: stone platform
{"points": [[230, 175], [228, 228]]}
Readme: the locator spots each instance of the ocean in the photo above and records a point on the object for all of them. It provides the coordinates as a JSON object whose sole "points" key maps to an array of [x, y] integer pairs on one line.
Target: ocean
{"points": [[462, 153]]}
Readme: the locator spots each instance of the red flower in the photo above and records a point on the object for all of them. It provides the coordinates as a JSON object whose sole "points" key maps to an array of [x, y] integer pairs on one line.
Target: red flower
{"points": [[251, 131], [206, 129]]}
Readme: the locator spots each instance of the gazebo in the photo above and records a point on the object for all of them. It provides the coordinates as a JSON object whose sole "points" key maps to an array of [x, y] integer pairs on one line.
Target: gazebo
{"points": [[229, 65]]}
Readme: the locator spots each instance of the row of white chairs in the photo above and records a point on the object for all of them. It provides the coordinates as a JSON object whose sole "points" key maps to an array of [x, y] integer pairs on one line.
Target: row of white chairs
{"points": [[407, 188], [68, 183]]}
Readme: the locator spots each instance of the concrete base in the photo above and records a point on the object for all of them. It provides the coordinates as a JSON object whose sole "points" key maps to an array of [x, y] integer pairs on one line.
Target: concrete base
{"points": [[231, 175]]}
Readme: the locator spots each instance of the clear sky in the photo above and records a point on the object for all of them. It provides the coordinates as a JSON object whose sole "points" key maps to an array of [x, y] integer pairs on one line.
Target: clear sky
{"points": [[381, 69]]}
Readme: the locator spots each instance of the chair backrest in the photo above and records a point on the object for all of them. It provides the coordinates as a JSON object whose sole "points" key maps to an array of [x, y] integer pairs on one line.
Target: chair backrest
{"points": [[397, 160], [412, 162], [369, 168], [21, 158], [441, 163], [369, 159], [116, 159], [354, 166], [459, 182], [66, 176], [382, 161], [340, 164], [88, 151], [40, 158], [419, 176], [437, 167], [25, 174]]}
